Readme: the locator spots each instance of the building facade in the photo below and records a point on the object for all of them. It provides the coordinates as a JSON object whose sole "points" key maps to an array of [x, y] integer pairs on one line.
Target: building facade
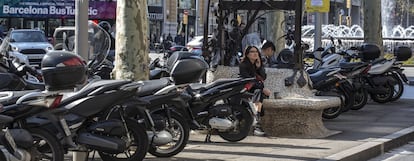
{"points": [[49, 14]]}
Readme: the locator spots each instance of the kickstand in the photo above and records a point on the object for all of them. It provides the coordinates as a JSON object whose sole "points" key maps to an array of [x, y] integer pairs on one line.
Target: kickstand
{"points": [[208, 137]]}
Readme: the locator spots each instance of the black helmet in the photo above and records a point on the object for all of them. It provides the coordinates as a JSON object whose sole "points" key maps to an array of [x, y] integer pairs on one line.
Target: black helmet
{"points": [[369, 51], [63, 70]]}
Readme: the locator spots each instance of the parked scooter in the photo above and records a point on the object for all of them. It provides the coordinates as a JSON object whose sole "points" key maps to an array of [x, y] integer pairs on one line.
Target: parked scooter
{"points": [[173, 108], [340, 80]]}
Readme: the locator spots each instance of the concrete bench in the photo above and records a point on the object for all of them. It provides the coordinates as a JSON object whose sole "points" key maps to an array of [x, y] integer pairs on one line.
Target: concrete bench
{"points": [[295, 111]]}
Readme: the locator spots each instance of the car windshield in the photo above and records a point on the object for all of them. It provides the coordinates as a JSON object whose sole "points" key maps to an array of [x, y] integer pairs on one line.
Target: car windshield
{"points": [[28, 36]]}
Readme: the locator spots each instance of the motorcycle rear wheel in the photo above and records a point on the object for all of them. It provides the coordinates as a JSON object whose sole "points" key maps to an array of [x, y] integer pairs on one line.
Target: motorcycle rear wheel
{"points": [[45, 146], [361, 99], [179, 128], [398, 88], [245, 121], [384, 98], [140, 144], [331, 113]]}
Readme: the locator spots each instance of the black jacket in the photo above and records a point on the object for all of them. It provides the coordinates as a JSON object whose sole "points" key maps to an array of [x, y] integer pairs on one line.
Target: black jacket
{"points": [[249, 70]]}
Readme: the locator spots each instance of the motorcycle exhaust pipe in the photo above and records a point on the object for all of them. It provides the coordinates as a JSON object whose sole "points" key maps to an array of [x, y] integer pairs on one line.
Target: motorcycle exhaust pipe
{"points": [[160, 138]]}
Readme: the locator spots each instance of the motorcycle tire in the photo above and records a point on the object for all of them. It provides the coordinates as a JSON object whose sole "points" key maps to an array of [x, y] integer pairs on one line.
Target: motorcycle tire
{"points": [[361, 99], [398, 88], [139, 136], [347, 102], [45, 143], [245, 120], [331, 113], [383, 98], [178, 125]]}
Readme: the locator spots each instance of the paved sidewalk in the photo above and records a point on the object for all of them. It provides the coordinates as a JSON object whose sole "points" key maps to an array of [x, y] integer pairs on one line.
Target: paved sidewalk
{"points": [[360, 131], [364, 134]]}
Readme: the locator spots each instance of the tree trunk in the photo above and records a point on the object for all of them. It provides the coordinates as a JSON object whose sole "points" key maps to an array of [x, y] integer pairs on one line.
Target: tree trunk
{"points": [[131, 58], [372, 22], [277, 30]]}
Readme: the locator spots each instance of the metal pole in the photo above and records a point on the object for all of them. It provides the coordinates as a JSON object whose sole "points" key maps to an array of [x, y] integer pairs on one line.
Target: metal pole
{"points": [[81, 46], [318, 37], [349, 20], [206, 25], [298, 55], [408, 14], [196, 18], [186, 33], [81, 26]]}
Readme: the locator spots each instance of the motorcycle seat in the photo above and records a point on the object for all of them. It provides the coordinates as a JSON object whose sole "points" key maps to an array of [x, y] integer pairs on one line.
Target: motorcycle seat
{"points": [[320, 74], [379, 61], [350, 66], [86, 90], [151, 86], [5, 119], [200, 86]]}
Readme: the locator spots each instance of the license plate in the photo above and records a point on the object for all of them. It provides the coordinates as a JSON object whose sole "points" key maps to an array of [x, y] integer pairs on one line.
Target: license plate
{"points": [[35, 56], [10, 140]]}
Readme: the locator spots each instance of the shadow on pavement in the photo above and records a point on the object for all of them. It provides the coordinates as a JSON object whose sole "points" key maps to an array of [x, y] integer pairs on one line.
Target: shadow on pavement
{"points": [[259, 145], [258, 154], [373, 121]]}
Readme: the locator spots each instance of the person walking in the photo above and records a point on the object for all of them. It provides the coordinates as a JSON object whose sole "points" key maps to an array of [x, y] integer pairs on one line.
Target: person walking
{"points": [[251, 67]]}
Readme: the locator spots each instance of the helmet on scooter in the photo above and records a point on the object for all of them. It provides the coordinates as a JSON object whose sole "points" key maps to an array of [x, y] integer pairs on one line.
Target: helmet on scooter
{"points": [[63, 70], [369, 51]]}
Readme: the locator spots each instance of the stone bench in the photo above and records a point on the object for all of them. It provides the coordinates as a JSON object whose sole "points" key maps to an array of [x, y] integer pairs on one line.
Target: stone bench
{"points": [[295, 112]]}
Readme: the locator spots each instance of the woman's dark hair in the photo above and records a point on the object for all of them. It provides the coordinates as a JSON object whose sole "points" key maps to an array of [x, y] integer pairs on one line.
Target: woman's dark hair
{"points": [[246, 52]]}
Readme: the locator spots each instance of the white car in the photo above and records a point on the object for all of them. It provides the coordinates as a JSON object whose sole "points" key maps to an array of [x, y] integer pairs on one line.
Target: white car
{"points": [[30, 42], [196, 44]]}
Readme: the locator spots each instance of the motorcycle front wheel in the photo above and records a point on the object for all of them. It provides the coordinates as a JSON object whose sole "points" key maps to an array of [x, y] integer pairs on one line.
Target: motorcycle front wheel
{"points": [[180, 132], [45, 146], [244, 123], [138, 146]]}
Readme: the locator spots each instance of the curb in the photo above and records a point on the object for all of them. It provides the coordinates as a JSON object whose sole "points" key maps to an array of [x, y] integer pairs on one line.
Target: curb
{"points": [[374, 148]]}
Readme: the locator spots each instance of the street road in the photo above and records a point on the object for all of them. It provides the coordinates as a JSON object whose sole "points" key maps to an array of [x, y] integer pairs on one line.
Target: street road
{"points": [[404, 153]]}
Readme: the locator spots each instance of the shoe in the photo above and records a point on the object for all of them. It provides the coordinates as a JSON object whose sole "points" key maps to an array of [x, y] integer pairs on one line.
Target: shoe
{"points": [[258, 132]]}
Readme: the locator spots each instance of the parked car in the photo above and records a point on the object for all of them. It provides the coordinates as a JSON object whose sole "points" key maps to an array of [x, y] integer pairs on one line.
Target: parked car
{"points": [[30, 42], [196, 44]]}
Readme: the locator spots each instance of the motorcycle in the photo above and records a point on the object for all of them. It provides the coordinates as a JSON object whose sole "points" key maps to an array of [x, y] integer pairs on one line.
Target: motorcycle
{"points": [[338, 81], [172, 106], [222, 106], [167, 128], [81, 118]]}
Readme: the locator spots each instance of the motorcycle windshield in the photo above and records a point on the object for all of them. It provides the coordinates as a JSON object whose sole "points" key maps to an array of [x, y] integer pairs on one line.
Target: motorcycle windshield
{"points": [[99, 43], [4, 52]]}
